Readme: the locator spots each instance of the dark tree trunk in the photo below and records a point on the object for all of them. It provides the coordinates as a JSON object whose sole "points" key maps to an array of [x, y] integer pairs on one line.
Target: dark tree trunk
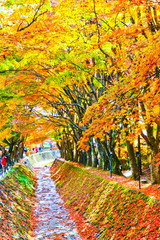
{"points": [[116, 162], [132, 158], [139, 150], [155, 170], [152, 139], [104, 161], [89, 158], [76, 153], [116, 168]]}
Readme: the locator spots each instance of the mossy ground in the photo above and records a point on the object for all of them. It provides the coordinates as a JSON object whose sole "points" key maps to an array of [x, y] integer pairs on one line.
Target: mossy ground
{"points": [[17, 190]]}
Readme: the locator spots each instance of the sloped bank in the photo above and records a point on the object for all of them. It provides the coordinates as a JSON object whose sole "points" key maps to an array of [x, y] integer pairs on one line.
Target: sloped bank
{"points": [[115, 211], [16, 192]]}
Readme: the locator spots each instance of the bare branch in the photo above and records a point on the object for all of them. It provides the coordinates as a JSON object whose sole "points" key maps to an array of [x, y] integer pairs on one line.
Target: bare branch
{"points": [[35, 17]]}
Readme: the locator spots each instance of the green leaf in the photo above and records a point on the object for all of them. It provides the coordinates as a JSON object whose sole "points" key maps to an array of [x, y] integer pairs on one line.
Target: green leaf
{"points": [[97, 83]]}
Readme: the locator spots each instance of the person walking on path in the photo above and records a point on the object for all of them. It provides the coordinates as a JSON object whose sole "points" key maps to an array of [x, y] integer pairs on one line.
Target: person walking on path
{"points": [[4, 164], [36, 149]]}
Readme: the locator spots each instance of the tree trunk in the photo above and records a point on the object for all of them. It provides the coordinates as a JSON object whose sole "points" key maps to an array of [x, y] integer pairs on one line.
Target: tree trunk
{"points": [[76, 153], [58, 145], [119, 148], [139, 150], [94, 154], [134, 166], [116, 165], [89, 158], [153, 142], [104, 161], [21, 149], [116, 162], [155, 170], [152, 139], [69, 149]]}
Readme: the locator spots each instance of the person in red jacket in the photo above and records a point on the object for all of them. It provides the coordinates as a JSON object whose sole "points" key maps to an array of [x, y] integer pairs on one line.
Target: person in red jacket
{"points": [[4, 164]]}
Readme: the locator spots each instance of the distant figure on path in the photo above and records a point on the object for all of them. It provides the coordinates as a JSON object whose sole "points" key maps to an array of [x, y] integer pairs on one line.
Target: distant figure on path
{"points": [[4, 164], [36, 149], [120, 168], [0, 163]]}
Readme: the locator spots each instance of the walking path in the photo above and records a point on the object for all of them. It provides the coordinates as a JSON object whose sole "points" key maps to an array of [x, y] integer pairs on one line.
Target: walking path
{"points": [[148, 189], [52, 220]]}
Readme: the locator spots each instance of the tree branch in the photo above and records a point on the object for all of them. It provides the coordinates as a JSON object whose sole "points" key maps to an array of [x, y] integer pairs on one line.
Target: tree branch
{"points": [[147, 140]]}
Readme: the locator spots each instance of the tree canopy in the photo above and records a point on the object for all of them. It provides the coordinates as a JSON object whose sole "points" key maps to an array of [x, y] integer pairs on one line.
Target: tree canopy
{"points": [[85, 72]]}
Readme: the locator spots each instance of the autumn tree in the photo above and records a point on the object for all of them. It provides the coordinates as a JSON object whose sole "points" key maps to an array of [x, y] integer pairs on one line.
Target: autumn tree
{"points": [[131, 104], [108, 50]]}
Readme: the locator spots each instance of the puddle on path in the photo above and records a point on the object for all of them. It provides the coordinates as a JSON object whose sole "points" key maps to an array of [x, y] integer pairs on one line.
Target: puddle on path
{"points": [[52, 219]]}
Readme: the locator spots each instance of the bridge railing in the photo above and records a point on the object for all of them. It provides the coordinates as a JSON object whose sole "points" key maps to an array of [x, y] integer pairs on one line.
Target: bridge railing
{"points": [[43, 156]]}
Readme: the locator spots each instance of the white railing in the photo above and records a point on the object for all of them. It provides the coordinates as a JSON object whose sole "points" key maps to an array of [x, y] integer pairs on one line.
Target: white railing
{"points": [[45, 156]]}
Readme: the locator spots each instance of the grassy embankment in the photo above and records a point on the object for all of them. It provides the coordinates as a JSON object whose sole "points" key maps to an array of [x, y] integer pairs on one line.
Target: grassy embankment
{"points": [[17, 190], [117, 212]]}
